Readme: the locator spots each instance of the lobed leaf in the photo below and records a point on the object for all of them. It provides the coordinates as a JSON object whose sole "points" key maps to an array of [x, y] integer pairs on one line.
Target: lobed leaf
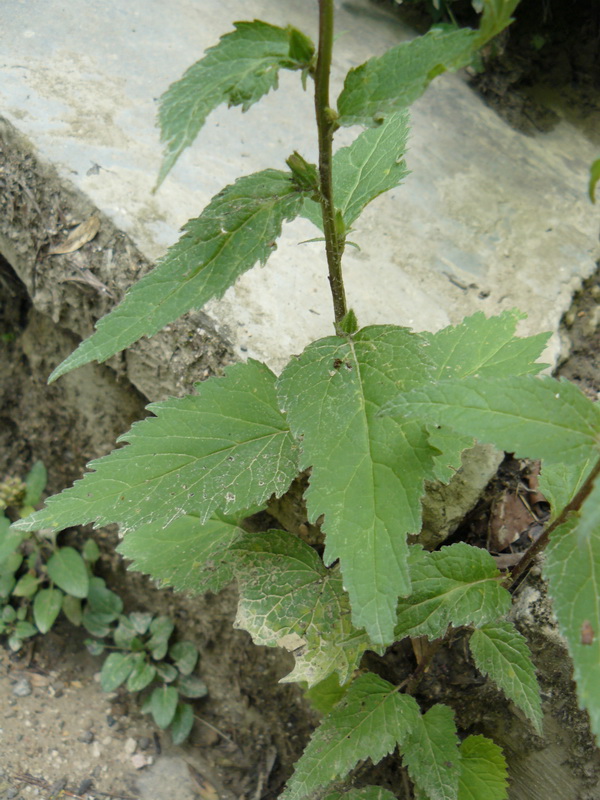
{"points": [[185, 554], [369, 722], [367, 475], [431, 753], [485, 347], [236, 230], [288, 598], [572, 568], [530, 417], [393, 81], [483, 771], [239, 70], [501, 652], [226, 447], [371, 165], [457, 585]]}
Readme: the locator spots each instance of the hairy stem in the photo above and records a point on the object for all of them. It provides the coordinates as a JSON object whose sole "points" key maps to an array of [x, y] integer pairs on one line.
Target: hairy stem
{"points": [[520, 569], [334, 241]]}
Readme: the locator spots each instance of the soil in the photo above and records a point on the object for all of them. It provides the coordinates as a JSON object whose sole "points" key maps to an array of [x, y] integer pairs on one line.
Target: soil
{"points": [[60, 735]]}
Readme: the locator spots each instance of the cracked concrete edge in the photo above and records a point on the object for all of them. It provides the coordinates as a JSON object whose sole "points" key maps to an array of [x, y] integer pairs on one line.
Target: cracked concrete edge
{"points": [[36, 205]]}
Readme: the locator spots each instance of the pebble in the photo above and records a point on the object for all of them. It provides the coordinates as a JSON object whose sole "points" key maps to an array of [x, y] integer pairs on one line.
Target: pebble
{"points": [[144, 743], [87, 737], [12, 792], [22, 688], [85, 785], [130, 746]]}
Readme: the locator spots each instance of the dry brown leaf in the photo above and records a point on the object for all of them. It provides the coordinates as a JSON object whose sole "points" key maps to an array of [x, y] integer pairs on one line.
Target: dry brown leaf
{"points": [[79, 236], [206, 789]]}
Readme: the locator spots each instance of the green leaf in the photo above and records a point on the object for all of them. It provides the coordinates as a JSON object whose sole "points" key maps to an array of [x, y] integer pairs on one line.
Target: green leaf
{"points": [[483, 772], [228, 446], [167, 672], [71, 608], [35, 482], [190, 686], [141, 621], [125, 634], [572, 568], [393, 81], [102, 601], [324, 695], [288, 598], [26, 586], [365, 793], [238, 71], [594, 178], [431, 754], [371, 165], [185, 554], [500, 652], [530, 417], [182, 724], [235, 231], [115, 670], [589, 518], [10, 539], [90, 551], [496, 17], [559, 483], [484, 347], [305, 174], [369, 722], [161, 629], [141, 675], [457, 585], [164, 705], [24, 630], [94, 647], [46, 608], [95, 624], [7, 583], [367, 478], [185, 656], [68, 571]]}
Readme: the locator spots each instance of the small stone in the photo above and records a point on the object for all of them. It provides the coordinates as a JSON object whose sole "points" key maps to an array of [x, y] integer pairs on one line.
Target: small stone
{"points": [[110, 720], [22, 688], [130, 746], [87, 737], [144, 743], [140, 761], [85, 785], [12, 792], [58, 786]]}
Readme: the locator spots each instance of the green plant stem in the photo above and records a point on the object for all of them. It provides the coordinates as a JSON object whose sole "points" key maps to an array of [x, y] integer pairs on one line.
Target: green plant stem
{"points": [[520, 569], [334, 243]]}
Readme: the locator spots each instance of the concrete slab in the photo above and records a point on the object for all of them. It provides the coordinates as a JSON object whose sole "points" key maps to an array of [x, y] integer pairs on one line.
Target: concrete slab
{"points": [[489, 219]]}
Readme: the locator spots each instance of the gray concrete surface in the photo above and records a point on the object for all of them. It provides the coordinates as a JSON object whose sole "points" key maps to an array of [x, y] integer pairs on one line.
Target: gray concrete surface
{"points": [[489, 219]]}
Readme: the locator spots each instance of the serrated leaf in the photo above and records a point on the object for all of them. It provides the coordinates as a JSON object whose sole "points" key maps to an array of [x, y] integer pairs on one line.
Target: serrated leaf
{"points": [[35, 482], [182, 724], [185, 656], [185, 554], [46, 608], [191, 686], [365, 793], [71, 607], [431, 754], [483, 771], [141, 675], [371, 165], [367, 478], [67, 569], [485, 347], [530, 417], [164, 705], [559, 482], [115, 670], [572, 568], [393, 81], [501, 652], [228, 446], [326, 694], [457, 585], [238, 71], [369, 722], [288, 598], [234, 232]]}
